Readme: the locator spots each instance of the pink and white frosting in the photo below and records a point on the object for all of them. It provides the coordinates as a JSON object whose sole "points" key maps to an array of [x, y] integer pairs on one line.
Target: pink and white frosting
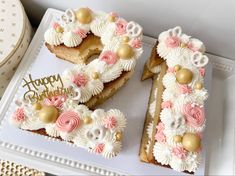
{"points": [[56, 101], [81, 32], [110, 122], [160, 137], [175, 39], [108, 66], [172, 42], [120, 28], [108, 57], [183, 104], [194, 114], [97, 136], [99, 148], [68, 121], [19, 115], [179, 152], [79, 79], [185, 89]]}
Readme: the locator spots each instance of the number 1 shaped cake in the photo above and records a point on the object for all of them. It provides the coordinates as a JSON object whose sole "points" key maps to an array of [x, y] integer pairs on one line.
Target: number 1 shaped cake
{"points": [[80, 34], [175, 117]]}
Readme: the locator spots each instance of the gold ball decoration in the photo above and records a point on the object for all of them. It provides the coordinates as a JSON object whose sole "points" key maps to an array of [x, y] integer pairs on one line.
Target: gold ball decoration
{"points": [[198, 86], [84, 16], [37, 106], [87, 120], [112, 18], [184, 76], [59, 29], [48, 114], [177, 67], [95, 75], [118, 136], [125, 39], [191, 142], [125, 51], [177, 138], [183, 45]]}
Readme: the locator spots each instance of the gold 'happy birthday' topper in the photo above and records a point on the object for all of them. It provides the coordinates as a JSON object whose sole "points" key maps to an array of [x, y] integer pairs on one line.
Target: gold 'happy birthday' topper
{"points": [[39, 89]]}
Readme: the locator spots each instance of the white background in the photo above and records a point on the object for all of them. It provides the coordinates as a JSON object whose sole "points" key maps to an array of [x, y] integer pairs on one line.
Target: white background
{"points": [[212, 21]]}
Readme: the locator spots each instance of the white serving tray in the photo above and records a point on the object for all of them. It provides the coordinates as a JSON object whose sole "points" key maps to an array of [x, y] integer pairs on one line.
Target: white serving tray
{"points": [[59, 158]]}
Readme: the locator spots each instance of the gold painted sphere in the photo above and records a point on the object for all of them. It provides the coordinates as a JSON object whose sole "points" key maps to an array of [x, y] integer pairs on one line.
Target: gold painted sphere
{"points": [[37, 106], [112, 18], [48, 114], [177, 138], [177, 67], [84, 15], [191, 142], [125, 51], [118, 136], [95, 75], [125, 39], [59, 29], [87, 120], [184, 76], [198, 86], [183, 45]]}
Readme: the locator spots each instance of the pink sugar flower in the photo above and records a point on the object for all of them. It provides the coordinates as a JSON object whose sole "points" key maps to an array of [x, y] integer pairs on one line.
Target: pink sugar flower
{"points": [[202, 71], [79, 79], [136, 43], [99, 148], [120, 26], [19, 115], [108, 57], [179, 152], [110, 122], [172, 42], [194, 115], [185, 89], [160, 137], [55, 25], [56, 101], [166, 104]]}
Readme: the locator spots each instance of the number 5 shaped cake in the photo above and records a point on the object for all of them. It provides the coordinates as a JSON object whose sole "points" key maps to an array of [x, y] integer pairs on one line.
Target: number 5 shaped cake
{"points": [[175, 117]]}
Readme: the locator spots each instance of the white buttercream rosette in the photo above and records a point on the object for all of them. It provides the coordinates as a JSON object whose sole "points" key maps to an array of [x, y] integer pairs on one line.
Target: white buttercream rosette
{"points": [[80, 78]]}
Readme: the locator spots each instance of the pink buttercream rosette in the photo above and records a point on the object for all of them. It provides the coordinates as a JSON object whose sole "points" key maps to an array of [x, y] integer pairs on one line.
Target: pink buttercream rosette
{"points": [[68, 121], [120, 26], [99, 148], [19, 116], [110, 122], [56, 101], [179, 152], [194, 115], [108, 57], [160, 137], [79, 80]]}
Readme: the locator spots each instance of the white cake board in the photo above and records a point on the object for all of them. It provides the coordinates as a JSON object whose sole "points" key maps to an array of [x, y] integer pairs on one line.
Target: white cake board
{"points": [[60, 158]]}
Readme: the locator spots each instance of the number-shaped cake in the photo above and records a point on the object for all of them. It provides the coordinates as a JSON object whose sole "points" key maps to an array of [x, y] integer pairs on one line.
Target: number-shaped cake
{"points": [[79, 35], [175, 117]]}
